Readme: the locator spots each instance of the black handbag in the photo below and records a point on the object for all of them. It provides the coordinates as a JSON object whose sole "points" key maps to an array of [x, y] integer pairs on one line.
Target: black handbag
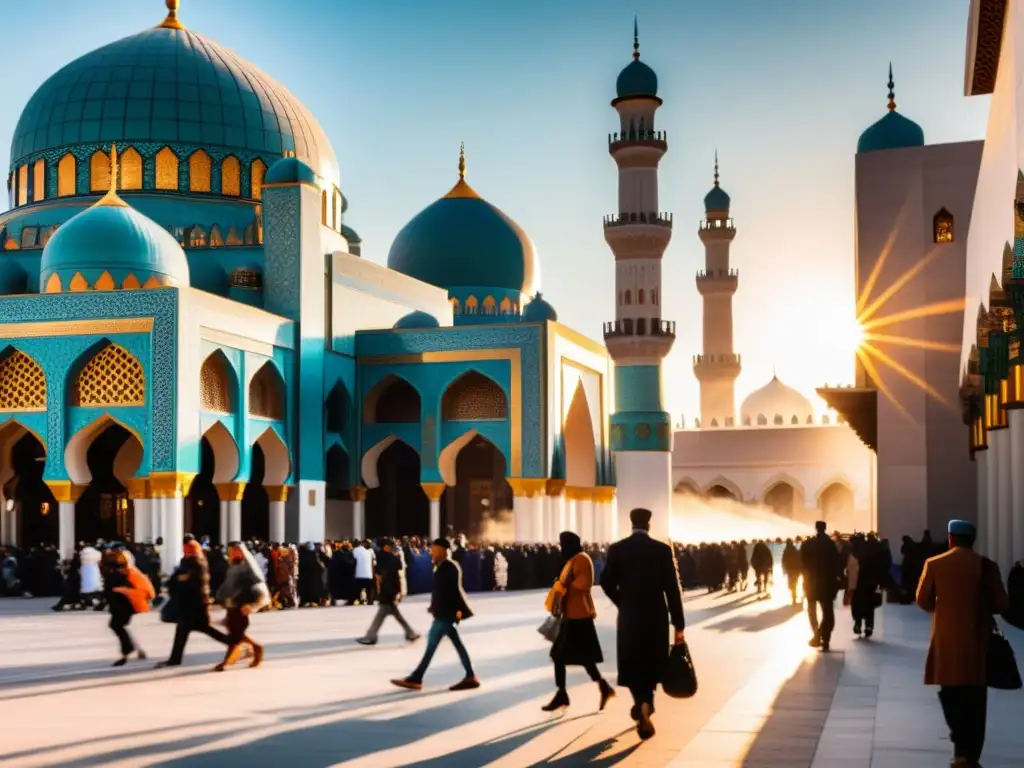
{"points": [[1001, 670], [680, 678], [170, 612]]}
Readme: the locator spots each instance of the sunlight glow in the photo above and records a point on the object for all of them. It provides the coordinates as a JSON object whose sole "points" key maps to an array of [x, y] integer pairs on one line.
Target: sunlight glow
{"points": [[696, 519]]}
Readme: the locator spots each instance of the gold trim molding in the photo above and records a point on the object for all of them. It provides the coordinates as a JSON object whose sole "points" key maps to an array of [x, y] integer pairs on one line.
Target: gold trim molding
{"points": [[232, 491], [138, 488], [170, 485], [276, 492], [75, 328], [64, 490], [579, 493], [528, 487], [604, 494], [554, 486], [433, 490], [357, 492]]}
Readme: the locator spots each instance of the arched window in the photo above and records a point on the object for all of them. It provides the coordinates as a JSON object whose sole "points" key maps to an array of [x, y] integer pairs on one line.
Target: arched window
{"points": [[654, 295], [215, 390], [257, 171], [640, 296], [506, 306], [129, 169], [490, 306], [323, 207], [474, 397], [38, 180], [762, 420], [335, 208], [455, 306], [22, 185], [266, 393], [66, 176], [230, 176], [778, 419], [629, 297], [471, 305], [99, 171], [166, 169], [112, 377], [393, 400], [196, 237], [942, 226], [200, 168], [22, 383], [216, 238]]}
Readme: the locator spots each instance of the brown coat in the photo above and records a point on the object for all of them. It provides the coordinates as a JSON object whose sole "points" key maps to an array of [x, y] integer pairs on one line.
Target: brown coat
{"points": [[579, 603], [951, 590]]}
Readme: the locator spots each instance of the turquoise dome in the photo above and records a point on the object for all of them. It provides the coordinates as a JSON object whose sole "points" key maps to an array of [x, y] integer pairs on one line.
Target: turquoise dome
{"points": [[118, 239], [290, 170], [717, 199], [894, 131], [462, 240], [538, 310], [417, 319], [170, 85], [637, 79]]}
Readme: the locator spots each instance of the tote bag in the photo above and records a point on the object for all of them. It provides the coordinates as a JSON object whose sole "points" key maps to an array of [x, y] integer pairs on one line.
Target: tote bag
{"points": [[680, 679], [1001, 670]]}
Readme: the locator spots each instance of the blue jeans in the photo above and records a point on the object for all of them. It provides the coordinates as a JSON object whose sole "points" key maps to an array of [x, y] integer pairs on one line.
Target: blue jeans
{"points": [[439, 629]]}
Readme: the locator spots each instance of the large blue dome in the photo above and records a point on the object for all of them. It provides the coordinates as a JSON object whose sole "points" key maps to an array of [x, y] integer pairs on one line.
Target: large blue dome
{"points": [[170, 85], [637, 79], [894, 131], [462, 240], [114, 238]]}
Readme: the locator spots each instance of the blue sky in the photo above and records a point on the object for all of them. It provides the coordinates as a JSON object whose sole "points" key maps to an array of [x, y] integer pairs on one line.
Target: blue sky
{"points": [[781, 88]]}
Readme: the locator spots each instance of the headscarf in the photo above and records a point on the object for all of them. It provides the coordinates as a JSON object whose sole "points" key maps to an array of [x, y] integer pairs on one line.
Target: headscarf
{"points": [[247, 556], [570, 545], [193, 548]]}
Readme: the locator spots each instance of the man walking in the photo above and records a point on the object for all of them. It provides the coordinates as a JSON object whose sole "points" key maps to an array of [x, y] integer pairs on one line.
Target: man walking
{"points": [[365, 560], [962, 590], [448, 606], [640, 576], [391, 591], [822, 570]]}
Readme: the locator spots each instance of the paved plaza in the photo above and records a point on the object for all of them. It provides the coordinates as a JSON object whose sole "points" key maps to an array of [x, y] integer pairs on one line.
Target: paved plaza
{"points": [[320, 699]]}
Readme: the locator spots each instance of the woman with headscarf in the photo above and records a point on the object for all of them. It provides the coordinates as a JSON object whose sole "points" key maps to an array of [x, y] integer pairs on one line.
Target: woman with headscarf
{"points": [[189, 589], [243, 593], [577, 643], [130, 592]]}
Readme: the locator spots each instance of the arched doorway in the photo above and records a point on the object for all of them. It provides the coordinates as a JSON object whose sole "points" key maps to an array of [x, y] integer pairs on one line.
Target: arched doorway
{"points": [[580, 444], [781, 497], [255, 502], [392, 400], [202, 507], [104, 510], [337, 472], [37, 510], [720, 492], [397, 506], [836, 506], [480, 503]]}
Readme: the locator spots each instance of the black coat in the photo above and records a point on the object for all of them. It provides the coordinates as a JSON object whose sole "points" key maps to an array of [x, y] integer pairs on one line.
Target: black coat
{"points": [[389, 568], [189, 588], [641, 578], [822, 567], [448, 597]]}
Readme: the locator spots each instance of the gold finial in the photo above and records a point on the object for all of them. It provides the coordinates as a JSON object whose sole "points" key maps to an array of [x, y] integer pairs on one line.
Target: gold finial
{"points": [[462, 161], [461, 188], [171, 22], [112, 198]]}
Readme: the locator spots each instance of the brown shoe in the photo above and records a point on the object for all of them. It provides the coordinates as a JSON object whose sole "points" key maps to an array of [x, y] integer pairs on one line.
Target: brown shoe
{"points": [[644, 726], [466, 684], [412, 685], [257, 656]]}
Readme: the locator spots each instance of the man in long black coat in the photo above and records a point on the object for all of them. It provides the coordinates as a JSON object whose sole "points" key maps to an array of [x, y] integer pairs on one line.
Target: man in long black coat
{"points": [[822, 571], [640, 576]]}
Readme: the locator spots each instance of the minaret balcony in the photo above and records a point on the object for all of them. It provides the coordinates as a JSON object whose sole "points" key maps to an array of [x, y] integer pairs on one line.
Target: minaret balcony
{"points": [[639, 340], [643, 140], [716, 367], [716, 229], [645, 218], [717, 281], [640, 326]]}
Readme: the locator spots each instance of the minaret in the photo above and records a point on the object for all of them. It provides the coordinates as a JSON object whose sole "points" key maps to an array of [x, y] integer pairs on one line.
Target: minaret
{"points": [[639, 339], [717, 368]]}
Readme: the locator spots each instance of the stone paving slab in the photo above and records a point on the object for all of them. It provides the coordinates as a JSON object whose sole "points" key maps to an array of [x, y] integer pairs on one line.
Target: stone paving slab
{"points": [[320, 699]]}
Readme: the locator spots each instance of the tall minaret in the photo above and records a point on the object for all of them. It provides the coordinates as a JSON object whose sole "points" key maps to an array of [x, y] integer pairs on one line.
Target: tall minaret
{"points": [[638, 340], [717, 368]]}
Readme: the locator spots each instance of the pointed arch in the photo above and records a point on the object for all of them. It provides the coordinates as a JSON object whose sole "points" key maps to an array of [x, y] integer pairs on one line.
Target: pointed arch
{"points": [[687, 485], [38, 180], [471, 305], [323, 207], [368, 464], [446, 458], [216, 237], [166, 169], [836, 501], [337, 408], [579, 441], [266, 394], [22, 382], [277, 463], [230, 176], [336, 468], [112, 376], [257, 172], [217, 384], [225, 453], [76, 460], [474, 396], [78, 283], [200, 171], [942, 227], [53, 284], [784, 494], [99, 171], [129, 169], [456, 308], [130, 283], [722, 487], [67, 175], [490, 306], [105, 282], [392, 400], [506, 306]]}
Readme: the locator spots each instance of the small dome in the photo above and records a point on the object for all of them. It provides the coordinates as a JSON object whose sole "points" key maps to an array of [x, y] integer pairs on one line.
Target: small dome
{"points": [[351, 235], [637, 79], [417, 319], [775, 399], [893, 131], [462, 240], [716, 200], [114, 237], [538, 310], [290, 170]]}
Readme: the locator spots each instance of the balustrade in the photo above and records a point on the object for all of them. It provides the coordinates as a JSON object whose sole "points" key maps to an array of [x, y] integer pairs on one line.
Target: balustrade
{"points": [[644, 217], [641, 326]]}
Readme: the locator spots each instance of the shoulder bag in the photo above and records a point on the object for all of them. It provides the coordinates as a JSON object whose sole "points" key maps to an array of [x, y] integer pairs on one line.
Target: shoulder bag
{"points": [[1001, 670], [552, 624]]}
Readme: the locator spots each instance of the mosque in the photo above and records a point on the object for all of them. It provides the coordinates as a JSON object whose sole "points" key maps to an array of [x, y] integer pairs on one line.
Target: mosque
{"points": [[193, 343]]}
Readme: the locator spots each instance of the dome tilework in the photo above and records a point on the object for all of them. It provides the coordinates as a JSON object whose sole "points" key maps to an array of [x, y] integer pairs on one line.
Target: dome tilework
{"points": [[170, 86]]}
